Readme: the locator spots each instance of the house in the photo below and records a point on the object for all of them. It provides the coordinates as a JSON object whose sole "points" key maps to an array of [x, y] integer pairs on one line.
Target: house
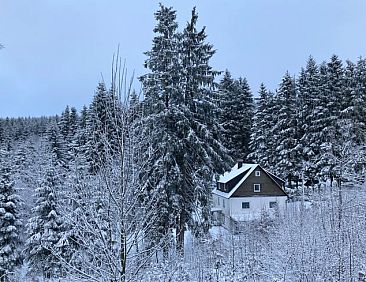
{"points": [[244, 192]]}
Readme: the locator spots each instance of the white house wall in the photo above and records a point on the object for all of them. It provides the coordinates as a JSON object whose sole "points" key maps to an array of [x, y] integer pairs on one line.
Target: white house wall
{"points": [[221, 203], [257, 206]]}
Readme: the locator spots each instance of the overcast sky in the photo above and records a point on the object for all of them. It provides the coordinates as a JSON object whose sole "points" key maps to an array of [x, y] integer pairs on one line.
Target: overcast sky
{"points": [[56, 50]]}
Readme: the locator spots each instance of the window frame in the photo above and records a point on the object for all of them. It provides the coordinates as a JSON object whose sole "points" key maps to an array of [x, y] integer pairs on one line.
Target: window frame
{"points": [[257, 185], [222, 186], [245, 208], [257, 173], [273, 205]]}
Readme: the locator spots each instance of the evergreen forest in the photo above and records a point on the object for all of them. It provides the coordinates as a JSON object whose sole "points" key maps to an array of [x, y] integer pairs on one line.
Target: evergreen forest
{"points": [[120, 190]]}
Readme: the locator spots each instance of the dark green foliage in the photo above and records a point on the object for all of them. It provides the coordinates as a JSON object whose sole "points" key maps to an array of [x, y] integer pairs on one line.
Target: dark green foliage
{"points": [[236, 115]]}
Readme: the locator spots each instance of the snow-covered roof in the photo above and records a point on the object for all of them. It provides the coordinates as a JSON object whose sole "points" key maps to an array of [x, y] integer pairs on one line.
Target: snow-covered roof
{"points": [[235, 171], [216, 209]]}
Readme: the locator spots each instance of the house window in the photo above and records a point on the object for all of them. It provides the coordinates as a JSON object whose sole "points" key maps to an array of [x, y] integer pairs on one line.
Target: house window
{"points": [[257, 187], [272, 205], [245, 205], [218, 201], [257, 173], [221, 186], [223, 202]]}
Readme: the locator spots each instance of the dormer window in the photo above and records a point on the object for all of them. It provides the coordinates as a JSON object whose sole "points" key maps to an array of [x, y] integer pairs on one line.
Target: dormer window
{"points": [[221, 186], [257, 187], [257, 173]]}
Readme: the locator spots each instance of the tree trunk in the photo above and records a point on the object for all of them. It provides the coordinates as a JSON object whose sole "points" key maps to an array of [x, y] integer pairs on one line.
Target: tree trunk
{"points": [[180, 233], [123, 253]]}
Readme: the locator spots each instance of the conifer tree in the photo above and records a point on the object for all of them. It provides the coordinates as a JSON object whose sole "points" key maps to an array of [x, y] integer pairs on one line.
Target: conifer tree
{"points": [[236, 115], [285, 133], [310, 109], [160, 88], [64, 123], [9, 224], [261, 146], [333, 93], [57, 147], [102, 127], [211, 157], [357, 109], [45, 231], [182, 148], [245, 118]]}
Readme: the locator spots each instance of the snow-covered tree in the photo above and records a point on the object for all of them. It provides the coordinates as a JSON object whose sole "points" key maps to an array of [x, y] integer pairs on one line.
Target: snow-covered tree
{"points": [[332, 80], [261, 144], [358, 94], [9, 224], [236, 115], [44, 246], [57, 147], [309, 111], [285, 133], [182, 146], [102, 127]]}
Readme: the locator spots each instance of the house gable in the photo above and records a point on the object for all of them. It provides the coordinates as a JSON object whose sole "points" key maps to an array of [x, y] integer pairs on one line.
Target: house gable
{"points": [[268, 185]]}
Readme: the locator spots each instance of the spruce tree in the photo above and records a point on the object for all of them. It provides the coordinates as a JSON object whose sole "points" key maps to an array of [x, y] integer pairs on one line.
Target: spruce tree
{"points": [[45, 231], [226, 93], [9, 225], [210, 157], [64, 123], [261, 144], [236, 115], [285, 133], [310, 110], [182, 146], [244, 117], [358, 101], [57, 147], [333, 93], [160, 90], [103, 127]]}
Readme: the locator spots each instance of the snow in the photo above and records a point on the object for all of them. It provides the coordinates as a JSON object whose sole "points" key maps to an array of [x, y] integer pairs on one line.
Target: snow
{"points": [[216, 209], [8, 216], [235, 171]]}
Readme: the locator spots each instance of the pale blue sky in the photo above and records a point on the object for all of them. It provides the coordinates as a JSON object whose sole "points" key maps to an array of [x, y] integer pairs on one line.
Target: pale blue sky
{"points": [[56, 50]]}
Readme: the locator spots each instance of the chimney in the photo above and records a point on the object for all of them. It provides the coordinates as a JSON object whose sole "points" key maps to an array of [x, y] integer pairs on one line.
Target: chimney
{"points": [[240, 163]]}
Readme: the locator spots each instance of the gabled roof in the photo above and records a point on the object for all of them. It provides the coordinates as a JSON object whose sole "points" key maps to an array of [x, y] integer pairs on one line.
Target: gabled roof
{"points": [[235, 171]]}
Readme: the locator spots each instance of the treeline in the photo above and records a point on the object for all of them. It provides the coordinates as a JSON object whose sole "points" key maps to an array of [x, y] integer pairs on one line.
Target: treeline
{"points": [[313, 127], [107, 193]]}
